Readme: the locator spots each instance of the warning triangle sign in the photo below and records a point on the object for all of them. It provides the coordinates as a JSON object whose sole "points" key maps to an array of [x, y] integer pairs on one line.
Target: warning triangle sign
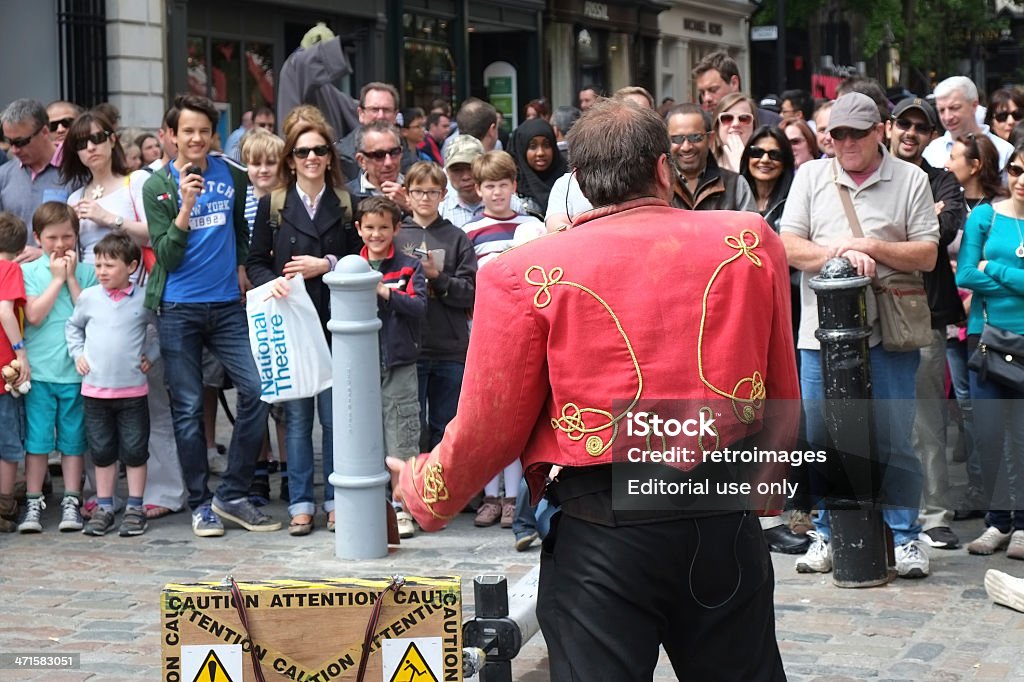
{"points": [[212, 670], [413, 668]]}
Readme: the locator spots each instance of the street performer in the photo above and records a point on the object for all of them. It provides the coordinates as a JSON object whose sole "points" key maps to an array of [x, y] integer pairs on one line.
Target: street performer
{"points": [[572, 331]]}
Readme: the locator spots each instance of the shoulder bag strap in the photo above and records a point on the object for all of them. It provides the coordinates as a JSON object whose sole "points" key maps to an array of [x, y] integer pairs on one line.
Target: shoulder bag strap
{"points": [[844, 197]]}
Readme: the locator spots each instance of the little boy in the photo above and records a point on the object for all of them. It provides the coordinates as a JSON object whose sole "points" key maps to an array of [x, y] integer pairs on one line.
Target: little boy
{"points": [[494, 231], [451, 290], [106, 336], [53, 284], [401, 307], [13, 236]]}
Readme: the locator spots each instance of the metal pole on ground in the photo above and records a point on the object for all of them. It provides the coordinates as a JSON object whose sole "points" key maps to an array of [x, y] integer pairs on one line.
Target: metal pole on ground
{"points": [[360, 477], [858, 533]]}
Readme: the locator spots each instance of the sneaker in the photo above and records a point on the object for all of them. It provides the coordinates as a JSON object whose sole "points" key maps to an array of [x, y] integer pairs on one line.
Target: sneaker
{"points": [[1015, 550], [32, 523], [218, 462], [818, 558], [941, 537], [912, 560], [99, 522], [508, 512], [245, 514], [489, 512], [205, 523], [133, 522], [406, 526], [70, 514], [526, 540], [988, 542], [1005, 589]]}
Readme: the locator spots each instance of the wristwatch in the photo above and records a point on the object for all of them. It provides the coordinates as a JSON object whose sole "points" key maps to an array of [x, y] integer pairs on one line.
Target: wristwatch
{"points": [[118, 222]]}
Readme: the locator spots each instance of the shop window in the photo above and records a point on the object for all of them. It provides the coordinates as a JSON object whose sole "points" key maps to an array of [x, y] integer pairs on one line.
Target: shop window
{"points": [[429, 66], [237, 75], [590, 59]]}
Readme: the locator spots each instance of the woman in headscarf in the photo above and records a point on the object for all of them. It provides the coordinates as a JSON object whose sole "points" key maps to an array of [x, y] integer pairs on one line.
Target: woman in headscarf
{"points": [[538, 161]]}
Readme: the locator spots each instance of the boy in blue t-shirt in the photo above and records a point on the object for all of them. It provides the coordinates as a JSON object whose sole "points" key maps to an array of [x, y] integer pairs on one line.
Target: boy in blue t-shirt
{"points": [[53, 284]]}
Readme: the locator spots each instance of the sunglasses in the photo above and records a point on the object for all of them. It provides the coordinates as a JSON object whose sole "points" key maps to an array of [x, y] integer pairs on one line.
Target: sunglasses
{"points": [[303, 152], [840, 134], [906, 124], [66, 122], [381, 153], [757, 152], [1017, 114], [96, 138], [22, 141], [727, 118], [1014, 171], [692, 138]]}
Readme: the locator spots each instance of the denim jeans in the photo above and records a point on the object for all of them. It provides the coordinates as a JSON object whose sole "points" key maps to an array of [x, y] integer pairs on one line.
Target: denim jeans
{"points": [[956, 358], [892, 383], [999, 434], [185, 328], [118, 429], [440, 385], [530, 518], [299, 439]]}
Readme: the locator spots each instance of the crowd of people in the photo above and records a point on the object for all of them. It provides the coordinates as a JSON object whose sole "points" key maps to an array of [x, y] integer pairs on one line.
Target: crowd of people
{"points": [[159, 235]]}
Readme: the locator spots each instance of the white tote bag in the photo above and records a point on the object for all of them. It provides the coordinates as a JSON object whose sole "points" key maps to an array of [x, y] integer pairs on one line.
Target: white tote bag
{"points": [[288, 344]]}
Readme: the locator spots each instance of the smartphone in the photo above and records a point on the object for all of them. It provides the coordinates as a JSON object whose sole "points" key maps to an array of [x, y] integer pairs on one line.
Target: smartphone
{"points": [[421, 253], [194, 170]]}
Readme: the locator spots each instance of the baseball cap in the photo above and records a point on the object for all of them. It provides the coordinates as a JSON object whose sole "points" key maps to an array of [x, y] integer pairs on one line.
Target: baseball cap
{"points": [[771, 103], [921, 105], [463, 149], [854, 110]]}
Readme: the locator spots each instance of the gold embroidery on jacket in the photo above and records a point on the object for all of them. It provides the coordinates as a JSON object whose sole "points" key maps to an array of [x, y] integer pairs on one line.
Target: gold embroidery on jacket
{"points": [[434, 487], [573, 419], [744, 407]]}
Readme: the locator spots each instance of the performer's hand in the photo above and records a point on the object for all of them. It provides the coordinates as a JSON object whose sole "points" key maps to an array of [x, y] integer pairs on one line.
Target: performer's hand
{"points": [[395, 469]]}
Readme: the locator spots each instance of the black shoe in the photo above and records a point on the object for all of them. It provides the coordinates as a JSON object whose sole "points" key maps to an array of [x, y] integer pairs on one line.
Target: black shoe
{"points": [[941, 537], [784, 541], [964, 514], [259, 491]]}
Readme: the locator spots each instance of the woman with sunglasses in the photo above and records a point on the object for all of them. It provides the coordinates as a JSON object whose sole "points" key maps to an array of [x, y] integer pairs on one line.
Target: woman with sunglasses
{"points": [[110, 196], [733, 122], [308, 237], [768, 165], [991, 265], [1005, 110]]}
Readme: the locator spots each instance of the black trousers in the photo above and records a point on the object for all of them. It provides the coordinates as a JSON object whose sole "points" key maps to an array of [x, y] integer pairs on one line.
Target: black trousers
{"points": [[703, 588]]}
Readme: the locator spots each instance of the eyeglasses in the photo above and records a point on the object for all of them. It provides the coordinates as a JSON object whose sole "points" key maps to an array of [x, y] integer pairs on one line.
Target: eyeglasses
{"points": [[692, 138], [906, 124], [379, 154], [379, 111], [96, 138], [726, 118], [22, 141], [303, 152], [1014, 171], [840, 134], [66, 122], [757, 152], [1017, 114], [420, 194]]}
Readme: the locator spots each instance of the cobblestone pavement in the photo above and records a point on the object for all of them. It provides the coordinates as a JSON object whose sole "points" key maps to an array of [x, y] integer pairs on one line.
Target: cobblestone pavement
{"points": [[66, 592]]}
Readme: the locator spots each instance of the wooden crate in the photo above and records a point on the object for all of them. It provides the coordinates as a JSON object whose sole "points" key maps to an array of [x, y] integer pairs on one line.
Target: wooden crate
{"points": [[313, 631]]}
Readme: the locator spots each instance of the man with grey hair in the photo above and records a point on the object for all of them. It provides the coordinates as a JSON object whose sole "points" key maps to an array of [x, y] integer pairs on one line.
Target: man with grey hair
{"points": [[33, 175], [562, 122], [610, 591], [956, 98], [377, 102], [379, 154]]}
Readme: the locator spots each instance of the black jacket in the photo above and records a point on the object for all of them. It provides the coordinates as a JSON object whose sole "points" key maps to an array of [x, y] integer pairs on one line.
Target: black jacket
{"points": [[403, 313], [330, 232], [450, 297], [940, 284]]}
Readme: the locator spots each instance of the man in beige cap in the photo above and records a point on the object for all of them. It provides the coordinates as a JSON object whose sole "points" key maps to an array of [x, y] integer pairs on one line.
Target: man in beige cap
{"points": [[462, 204], [894, 206]]}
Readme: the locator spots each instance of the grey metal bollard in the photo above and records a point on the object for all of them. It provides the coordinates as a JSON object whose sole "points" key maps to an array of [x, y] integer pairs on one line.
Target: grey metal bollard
{"points": [[360, 477]]}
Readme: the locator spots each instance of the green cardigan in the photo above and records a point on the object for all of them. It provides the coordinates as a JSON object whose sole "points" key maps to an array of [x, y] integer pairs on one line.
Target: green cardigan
{"points": [[160, 200]]}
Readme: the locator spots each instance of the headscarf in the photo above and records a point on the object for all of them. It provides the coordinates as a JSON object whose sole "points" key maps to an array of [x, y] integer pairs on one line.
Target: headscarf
{"points": [[534, 185]]}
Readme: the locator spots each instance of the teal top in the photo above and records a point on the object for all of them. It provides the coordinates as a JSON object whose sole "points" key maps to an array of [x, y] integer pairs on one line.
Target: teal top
{"points": [[995, 238], [46, 344]]}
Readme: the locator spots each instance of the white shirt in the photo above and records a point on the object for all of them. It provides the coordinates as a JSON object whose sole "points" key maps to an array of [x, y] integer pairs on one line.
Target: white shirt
{"points": [[937, 151]]}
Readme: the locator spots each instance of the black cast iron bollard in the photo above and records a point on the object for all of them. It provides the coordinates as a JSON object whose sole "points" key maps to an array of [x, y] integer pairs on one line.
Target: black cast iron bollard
{"points": [[858, 533]]}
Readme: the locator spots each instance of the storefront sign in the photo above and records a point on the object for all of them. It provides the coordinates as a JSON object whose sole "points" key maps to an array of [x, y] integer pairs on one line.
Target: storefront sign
{"points": [[595, 10], [764, 33], [501, 82]]}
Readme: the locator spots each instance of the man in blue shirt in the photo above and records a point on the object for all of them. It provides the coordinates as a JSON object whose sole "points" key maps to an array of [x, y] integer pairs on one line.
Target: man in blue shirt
{"points": [[195, 208]]}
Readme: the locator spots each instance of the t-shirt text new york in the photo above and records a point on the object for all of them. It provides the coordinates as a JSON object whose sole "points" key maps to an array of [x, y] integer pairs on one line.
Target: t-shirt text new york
{"points": [[208, 273]]}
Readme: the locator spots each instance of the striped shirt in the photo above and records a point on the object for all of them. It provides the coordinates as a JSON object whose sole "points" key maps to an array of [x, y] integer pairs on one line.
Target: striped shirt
{"points": [[491, 236], [251, 203], [458, 214]]}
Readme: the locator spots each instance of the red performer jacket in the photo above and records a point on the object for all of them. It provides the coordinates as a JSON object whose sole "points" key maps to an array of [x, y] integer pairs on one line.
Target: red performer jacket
{"points": [[636, 302]]}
